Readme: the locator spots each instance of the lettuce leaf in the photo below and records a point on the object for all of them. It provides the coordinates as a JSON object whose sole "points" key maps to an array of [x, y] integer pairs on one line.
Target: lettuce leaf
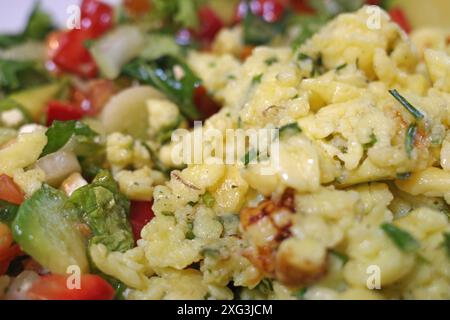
{"points": [[105, 210]]}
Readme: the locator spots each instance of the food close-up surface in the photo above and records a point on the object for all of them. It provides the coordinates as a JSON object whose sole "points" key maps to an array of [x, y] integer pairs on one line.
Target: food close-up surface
{"points": [[315, 162]]}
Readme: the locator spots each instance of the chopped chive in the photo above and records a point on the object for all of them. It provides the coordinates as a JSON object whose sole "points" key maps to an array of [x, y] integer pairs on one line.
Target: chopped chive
{"points": [[257, 79], [402, 239], [208, 199], [410, 138], [371, 143], [341, 256], [303, 56], [447, 242], [291, 128], [342, 66], [403, 175], [190, 232], [300, 294], [271, 61], [408, 106], [250, 156]]}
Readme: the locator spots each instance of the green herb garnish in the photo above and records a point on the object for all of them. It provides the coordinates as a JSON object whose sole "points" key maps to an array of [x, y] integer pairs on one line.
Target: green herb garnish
{"points": [[447, 242], [410, 138], [371, 143], [405, 103], [257, 79], [402, 239], [289, 129], [271, 61]]}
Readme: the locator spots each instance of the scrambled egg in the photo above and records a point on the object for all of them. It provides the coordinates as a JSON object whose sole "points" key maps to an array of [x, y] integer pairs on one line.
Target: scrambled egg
{"points": [[351, 176]]}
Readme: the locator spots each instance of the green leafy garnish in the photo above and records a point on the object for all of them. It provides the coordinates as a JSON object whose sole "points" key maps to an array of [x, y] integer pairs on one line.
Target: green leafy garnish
{"points": [[105, 210], [402, 239], [257, 31], [208, 199], [331, 8], [410, 138], [308, 25], [179, 12], [161, 74], [289, 129], [447, 242], [15, 75], [38, 26], [60, 133], [405, 103]]}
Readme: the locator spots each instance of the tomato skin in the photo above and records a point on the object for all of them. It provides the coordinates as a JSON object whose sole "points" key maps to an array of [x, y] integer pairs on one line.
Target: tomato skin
{"points": [[141, 213], [301, 6], [204, 103], [10, 191], [210, 24], [270, 10], [62, 111], [8, 256], [398, 15], [54, 287], [68, 49], [96, 18]]}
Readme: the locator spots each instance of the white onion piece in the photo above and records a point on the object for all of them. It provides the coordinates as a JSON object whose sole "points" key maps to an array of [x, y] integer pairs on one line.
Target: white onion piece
{"points": [[58, 166], [20, 285], [127, 111]]}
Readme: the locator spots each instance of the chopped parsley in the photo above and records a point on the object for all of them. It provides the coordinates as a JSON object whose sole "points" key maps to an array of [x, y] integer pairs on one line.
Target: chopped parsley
{"points": [[257, 79], [340, 67], [271, 61]]}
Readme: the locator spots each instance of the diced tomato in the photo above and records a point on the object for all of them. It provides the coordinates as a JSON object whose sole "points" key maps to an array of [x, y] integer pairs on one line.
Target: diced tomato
{"points": [[10, 191], [56, 287], [67, 49], [8, 256], [269, 10], [62, 111], [210, 24], [141, 213], [373, 2], [137, 7], [72, 56], [204, 103], [7, 252], [398, 15], [301, 6], [93, 97], [96, 18]]}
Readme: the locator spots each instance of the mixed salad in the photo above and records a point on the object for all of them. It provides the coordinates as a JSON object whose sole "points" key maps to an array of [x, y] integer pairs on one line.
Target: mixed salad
{"points": [[69, 89]]}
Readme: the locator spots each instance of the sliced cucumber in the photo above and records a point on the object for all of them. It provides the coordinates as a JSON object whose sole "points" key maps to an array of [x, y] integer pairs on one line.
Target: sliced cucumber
{"points": [[34, 100], [127, 112], [117, 48], [45, 230]]}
